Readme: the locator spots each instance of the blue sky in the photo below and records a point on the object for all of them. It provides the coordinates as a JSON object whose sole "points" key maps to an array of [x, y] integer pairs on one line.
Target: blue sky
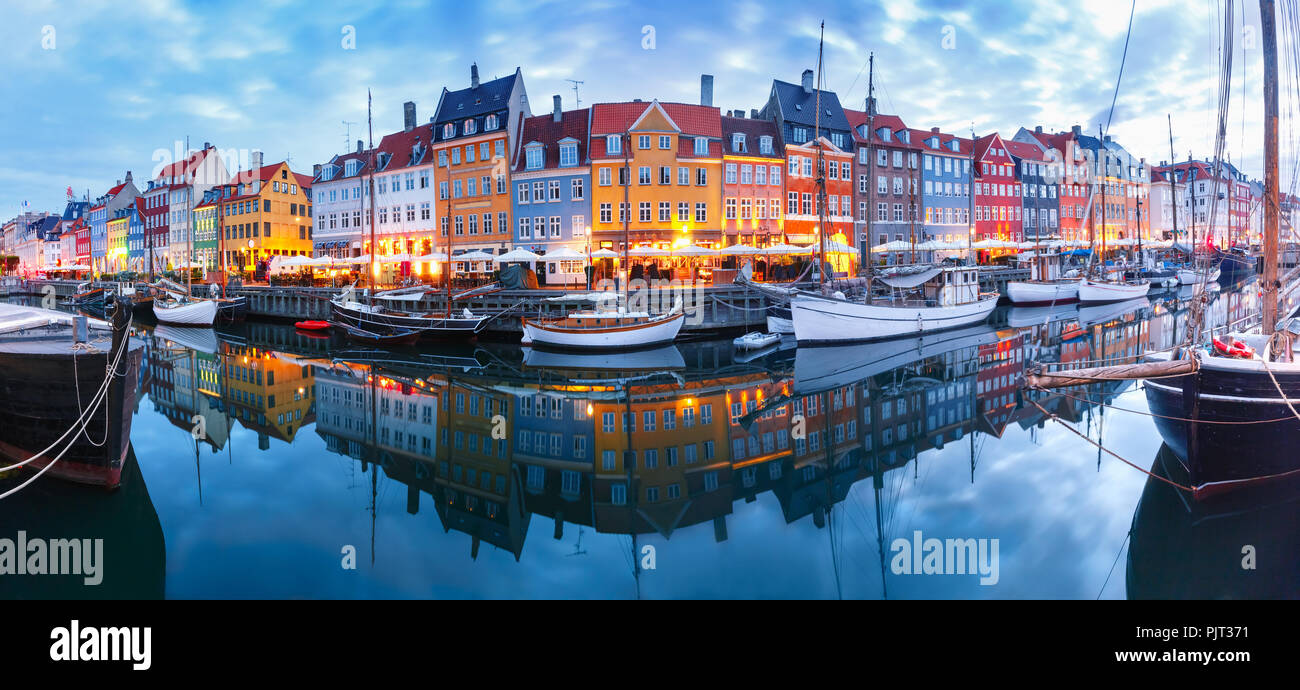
{"points": [[122, 80]]}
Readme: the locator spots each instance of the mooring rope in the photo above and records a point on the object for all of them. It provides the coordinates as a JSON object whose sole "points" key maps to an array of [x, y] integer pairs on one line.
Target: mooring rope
{"points": [[1110, 452], [1162, 416], [1276, 339]]}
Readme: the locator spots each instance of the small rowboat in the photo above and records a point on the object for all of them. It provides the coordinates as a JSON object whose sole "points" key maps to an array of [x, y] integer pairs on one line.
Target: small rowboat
{"points": [[755, 341], [396, 336], [313, 325]]}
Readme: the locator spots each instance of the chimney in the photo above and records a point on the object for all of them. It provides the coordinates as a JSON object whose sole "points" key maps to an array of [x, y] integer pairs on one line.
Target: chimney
{"points": [[128, 176], [473, 76], [315, 171], [408, 116], [807, 81], [753, 113], [207, 145], [358, 146], [1107, 139], [557, 111], [1038, 129], [706, 89], [1077, 130], [255, 158], [934, 130]]}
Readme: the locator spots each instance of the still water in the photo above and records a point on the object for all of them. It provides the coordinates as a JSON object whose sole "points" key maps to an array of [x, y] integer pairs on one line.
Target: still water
{"points": [[689, 471]]}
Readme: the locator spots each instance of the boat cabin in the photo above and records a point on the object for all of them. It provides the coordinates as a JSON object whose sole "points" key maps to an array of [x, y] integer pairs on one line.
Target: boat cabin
{"points": [[1043, 267], [954, 286]]}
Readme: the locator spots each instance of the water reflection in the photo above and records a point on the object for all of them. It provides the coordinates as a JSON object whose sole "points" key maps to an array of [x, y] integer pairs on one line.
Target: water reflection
{"points": [[787, 472]]}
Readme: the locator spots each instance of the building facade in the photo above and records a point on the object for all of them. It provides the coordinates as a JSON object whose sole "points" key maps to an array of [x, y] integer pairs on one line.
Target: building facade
{"points": [[551, 180], [753, 189]]}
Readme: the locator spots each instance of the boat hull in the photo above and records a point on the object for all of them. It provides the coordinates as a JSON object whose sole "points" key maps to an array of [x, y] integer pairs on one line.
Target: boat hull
{"points": [[42, 395], [232, 309], [658, 331], [1191, 276], [359, 316], [825, 320], [200, 313], [1094, 291], [1025, 292], [1224, 457]]}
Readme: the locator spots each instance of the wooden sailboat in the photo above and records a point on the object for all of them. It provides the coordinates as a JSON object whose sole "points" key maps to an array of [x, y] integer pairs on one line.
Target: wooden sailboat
{"points": [[609, 329], [949, 296], [1234, 421], [387, 318]]}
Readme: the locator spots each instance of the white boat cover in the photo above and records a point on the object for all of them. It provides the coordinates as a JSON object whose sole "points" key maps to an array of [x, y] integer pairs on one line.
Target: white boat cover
{"points": [[909, 280]]}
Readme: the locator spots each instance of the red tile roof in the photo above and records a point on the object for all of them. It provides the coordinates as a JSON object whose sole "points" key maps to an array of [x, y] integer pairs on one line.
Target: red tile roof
{"points": [[545, 130], [692, 120], [1025, 151], [858, 118], [181, 167]]}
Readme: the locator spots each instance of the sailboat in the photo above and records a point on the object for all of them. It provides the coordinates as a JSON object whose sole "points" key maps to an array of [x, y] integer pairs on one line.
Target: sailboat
{"points": [[609, 328], [1106, 288], [181, 307], [948, 297], [1046, 285], [1233, 421]]}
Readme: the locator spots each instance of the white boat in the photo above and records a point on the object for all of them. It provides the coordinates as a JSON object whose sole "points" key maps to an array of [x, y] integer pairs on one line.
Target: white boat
{"points": [[1046, 285], [192, 312], [606, 330], [1042, 292], [1191, 276], [756, 341], [1101, 291], [779, 325], [950, 298]]}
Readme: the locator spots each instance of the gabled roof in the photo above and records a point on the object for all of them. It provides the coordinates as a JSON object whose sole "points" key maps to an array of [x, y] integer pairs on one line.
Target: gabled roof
{"points": [[189, 163], [395, 150], [922, 136], [800, 107], [983, 143], [544, 130], [691, 120], [894, 123], [340, 161], [489, 97], [1023, 151], [753, 130], [267, 172]]}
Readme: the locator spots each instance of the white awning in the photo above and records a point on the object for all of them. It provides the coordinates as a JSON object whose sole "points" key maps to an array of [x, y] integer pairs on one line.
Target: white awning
{"points": [[909, 280]]}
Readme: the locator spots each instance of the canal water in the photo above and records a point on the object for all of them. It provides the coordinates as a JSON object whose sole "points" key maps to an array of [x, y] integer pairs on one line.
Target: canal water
{"points": [[268, 462]]}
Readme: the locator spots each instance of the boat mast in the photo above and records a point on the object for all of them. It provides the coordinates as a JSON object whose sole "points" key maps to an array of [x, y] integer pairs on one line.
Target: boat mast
{"points": [[821, 166], [865, 256], [370, 127], [1105, 172], [1270, 286], [627, 216], [189, 225], [1173, 190]]}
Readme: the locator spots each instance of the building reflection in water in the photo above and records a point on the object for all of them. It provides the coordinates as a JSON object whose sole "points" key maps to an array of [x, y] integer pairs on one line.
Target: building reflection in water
{"points": [[655, 442]]}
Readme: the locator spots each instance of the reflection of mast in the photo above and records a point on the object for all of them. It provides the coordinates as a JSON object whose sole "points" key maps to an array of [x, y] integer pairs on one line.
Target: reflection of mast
{"points": [[194, 405], [628, 421]]}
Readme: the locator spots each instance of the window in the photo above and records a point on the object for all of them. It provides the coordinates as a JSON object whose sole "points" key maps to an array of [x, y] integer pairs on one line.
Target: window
{"points": [[576, 192], [534, 157], [568, 155], [613, 144], [701, 146]]}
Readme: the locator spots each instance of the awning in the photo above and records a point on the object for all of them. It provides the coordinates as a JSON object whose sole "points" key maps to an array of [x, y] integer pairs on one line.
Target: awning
{"points": [[909, 280]]}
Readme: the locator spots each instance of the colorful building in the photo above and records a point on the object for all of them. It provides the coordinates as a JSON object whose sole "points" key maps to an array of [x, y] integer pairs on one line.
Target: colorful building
{"points": [[893, 191], [117, 256], [659, 166], [265, 212], [945, 186], [552, 186], [475, 134], [206, 242], [135, 238], [1038, 191], [753, 189], [997, 192]]}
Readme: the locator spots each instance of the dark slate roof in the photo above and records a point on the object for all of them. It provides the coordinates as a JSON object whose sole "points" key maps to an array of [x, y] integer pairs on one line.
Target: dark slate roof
{"points": [[490, 97], [753, 130], [75, 210], [44, 228], [799, 107]]}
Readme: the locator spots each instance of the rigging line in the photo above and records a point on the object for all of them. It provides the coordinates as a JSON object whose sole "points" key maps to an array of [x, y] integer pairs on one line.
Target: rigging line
{"points": [[1112, 453], [1163, 416], [1112, 565], [1122, 60]]}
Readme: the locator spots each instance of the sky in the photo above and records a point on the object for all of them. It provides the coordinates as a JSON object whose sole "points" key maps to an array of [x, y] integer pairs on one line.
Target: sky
{"points": [[93, 89]]}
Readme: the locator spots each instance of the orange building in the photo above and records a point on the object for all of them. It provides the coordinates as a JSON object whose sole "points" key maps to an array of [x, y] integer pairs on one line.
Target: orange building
{"points": [[265, 212], [474, 138], [662, 164]]}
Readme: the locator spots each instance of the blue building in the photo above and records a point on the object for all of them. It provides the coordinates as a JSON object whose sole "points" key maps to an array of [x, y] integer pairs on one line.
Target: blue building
{"points": [[135, 246], [551, 176], [102, 210], [945, 186]]}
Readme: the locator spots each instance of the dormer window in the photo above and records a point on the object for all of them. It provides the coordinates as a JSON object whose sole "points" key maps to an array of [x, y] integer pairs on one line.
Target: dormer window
{"points": [[351, 167], [701, 146], [448, 130], [534, 156], [738, 142], [883, 133], [489, 123], [470, 126], [765, 145], [613, 144], [568, 154]]}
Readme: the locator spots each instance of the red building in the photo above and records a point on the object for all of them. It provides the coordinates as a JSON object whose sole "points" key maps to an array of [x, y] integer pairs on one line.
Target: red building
{"points": [[753, 189], [155, 213], [82, 230], [889, 185], [802, 223], [997, 192]]}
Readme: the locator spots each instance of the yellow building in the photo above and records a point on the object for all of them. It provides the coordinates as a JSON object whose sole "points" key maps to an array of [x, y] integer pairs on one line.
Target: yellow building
{"points": [[115, 258], [662, 164], [265, 212], [267, 394]]}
